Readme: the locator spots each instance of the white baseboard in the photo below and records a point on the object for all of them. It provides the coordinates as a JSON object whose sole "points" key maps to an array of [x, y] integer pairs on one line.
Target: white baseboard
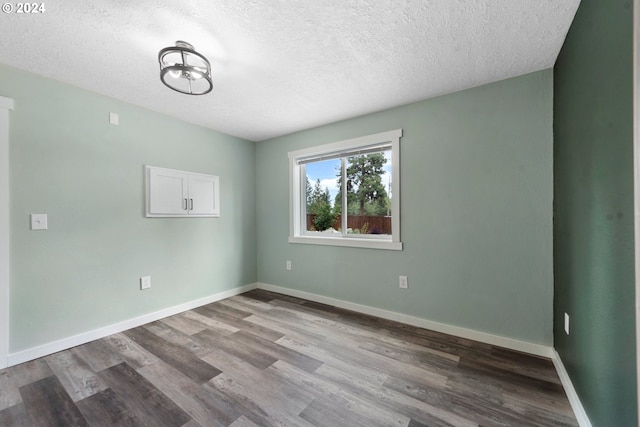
{"points": [[574, 400], [510, 343], [85, 337]]}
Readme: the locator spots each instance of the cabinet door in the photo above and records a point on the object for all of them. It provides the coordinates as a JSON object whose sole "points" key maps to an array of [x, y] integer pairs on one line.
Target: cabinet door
{"points": [[167, 192], [204, 199]]}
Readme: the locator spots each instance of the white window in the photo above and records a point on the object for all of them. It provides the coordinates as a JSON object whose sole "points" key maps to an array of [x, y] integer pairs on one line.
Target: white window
{"points": [[347, 193]]}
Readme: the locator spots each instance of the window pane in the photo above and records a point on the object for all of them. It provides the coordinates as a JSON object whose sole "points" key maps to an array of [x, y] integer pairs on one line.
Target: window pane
{"points": [[371, 204], [369, 193], [321, 191]]}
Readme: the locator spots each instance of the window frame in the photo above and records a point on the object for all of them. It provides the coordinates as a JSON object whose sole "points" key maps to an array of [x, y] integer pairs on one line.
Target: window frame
{"points": [[297, 193]]}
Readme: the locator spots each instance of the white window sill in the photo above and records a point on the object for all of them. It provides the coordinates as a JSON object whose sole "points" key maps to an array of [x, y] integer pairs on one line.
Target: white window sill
{"points": [[352, 242]]}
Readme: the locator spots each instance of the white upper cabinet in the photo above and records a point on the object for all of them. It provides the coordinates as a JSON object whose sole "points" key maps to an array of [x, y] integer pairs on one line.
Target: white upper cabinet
{"points": [[167, 192], [172, 193], [203, 192]]}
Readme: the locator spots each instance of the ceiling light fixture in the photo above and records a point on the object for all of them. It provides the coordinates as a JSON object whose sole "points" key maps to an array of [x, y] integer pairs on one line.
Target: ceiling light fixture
{"points": [[185, 70]]}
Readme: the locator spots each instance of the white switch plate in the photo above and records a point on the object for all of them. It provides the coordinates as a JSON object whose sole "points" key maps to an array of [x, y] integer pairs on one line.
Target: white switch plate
{"points": [[288, 265], [403, 282], [145, 282], [39, 221], [566, 323], [113, 119]]}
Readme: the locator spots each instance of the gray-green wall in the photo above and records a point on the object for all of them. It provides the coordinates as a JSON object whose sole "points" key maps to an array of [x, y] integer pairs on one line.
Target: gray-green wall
{"points": [[476, 174], [594, 228], [66, 160]]}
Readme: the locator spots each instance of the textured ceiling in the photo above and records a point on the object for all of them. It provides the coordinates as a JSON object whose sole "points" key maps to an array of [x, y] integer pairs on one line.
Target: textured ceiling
{"points": [[282, 66]]}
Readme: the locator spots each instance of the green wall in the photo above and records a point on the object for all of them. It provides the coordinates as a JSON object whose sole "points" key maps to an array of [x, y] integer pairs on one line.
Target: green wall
{"points": [[476, 218], [66, 160], [594, 228]]}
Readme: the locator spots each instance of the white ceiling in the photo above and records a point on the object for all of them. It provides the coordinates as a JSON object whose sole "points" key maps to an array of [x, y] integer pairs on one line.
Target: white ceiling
{"points": [[280, 66]]}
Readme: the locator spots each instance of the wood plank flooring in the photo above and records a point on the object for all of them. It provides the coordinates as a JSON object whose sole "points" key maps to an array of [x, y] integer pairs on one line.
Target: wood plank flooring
{"points": [[265, 359]]}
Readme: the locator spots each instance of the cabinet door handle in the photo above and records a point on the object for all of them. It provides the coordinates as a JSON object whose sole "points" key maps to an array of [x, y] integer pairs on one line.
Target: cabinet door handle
{"points": [[185, 204], [191, 204]]}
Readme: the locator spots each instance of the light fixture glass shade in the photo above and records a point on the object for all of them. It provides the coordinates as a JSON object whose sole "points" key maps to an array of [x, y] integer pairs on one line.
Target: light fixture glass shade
{"points": [[185, 70]]}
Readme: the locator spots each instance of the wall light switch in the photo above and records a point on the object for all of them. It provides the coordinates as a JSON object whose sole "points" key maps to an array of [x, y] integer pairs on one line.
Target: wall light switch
{"points": [[566, 323], [145, 282], [403, 283], [39, 221], [113, 119]]}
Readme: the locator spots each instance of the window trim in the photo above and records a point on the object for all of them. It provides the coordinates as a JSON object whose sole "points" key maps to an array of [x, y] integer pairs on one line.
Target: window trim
{"points": [[299, 157]]}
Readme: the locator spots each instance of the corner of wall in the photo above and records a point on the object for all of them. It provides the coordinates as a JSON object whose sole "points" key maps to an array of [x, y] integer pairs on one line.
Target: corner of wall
{"points": [[6, 104]]}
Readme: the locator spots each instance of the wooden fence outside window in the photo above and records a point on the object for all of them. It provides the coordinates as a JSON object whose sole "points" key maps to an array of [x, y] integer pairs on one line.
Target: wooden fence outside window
{"points": [[372, 224]]}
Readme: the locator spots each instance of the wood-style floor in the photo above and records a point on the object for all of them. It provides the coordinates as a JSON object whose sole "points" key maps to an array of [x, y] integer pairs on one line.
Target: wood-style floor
{"points": [[265, 359]]}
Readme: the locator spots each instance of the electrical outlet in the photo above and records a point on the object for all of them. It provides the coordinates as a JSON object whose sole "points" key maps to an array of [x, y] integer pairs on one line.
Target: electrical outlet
{"points": [[566, 323], [403, 283], [288, 265], [145, 282]]}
